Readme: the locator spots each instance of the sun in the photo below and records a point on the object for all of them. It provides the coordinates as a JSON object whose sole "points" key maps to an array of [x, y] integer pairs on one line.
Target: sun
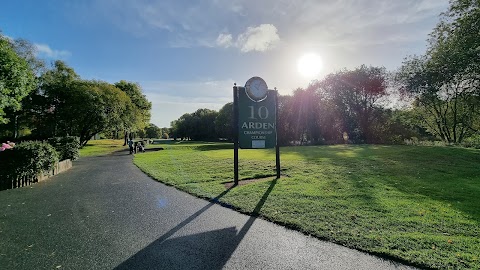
{"points": [[309, 65]]}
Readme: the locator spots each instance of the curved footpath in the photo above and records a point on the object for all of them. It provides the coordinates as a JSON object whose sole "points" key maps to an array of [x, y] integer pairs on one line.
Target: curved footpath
{"points": [[104, 213]]}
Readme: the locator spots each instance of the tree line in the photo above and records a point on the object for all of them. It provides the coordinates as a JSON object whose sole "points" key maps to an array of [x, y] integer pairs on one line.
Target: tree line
{"points": [[37, 102], [345, 101], [440, 91]]}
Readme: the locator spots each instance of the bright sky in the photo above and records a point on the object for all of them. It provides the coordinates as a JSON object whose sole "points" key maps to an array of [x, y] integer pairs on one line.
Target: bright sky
{"points": [[187, 54]]}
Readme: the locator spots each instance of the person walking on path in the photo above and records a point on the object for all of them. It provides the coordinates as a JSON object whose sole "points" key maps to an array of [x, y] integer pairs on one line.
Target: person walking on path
{"points": [[130, 145]]}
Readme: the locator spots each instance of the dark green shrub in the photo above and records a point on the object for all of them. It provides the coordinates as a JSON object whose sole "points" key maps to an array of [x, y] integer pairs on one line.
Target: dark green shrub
{"points": [[27, 160], [67, 147], [7, 168], [472, 141], [35, 156]]}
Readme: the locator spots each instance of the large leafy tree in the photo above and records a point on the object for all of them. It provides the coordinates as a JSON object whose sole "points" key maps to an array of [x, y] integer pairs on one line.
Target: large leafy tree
{"points": [[304, 117], [199, 125], [445, 82], [139, 114], [182, 127], [447, 109], [224, 122], [94, 107], [48, 102], [454, 43], [66, 105], [285, 131], [204, 125], [28, 51], [303, 111], [17, 79], [152, 131], [353, 95]]}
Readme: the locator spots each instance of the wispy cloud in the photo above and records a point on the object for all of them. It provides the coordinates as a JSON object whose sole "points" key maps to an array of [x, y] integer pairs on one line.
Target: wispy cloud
{"points": [[260, 38], [256, 38], [224, 40], [206, 89], [360, 23], [243, 25], [43, 50], [174, 98]]}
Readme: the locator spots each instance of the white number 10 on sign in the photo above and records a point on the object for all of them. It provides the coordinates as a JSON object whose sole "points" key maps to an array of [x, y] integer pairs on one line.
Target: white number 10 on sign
{"points": [[262, 112]]}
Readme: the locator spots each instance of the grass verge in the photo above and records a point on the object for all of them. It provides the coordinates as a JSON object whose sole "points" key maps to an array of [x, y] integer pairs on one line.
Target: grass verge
{"points": [[101, 147], [418, 205]]}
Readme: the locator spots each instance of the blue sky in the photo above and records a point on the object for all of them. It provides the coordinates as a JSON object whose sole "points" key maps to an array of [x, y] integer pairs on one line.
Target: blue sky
{"points": [[187, 54]]}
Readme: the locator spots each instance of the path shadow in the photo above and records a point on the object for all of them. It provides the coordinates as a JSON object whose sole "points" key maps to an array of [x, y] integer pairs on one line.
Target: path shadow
{"points": [[206, 250], [153, 149], [199, 251]]}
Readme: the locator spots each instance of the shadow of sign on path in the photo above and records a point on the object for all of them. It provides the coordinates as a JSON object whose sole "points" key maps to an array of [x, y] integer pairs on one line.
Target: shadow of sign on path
{"points": [[207, 250]]}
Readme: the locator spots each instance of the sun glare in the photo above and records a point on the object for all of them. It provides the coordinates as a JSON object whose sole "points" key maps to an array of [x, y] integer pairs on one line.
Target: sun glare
{"points": [[309, 65]]}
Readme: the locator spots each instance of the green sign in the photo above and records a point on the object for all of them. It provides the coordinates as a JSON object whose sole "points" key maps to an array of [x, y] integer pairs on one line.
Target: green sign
{"points": [[256, 120]]}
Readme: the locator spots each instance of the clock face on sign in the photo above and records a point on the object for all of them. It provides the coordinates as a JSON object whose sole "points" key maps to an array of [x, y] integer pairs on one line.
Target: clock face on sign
{"points": [[256, 89]]}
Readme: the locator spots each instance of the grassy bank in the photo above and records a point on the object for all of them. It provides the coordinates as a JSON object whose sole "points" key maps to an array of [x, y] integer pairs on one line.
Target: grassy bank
{"points": [[101, 147], [416, 204]]}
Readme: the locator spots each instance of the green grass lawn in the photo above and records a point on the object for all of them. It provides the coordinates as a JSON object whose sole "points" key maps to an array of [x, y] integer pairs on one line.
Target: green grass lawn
{"points": [[101, 147], [419, 205]]}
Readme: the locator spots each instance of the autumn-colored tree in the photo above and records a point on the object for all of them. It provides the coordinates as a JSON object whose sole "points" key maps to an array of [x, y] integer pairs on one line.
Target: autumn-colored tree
{"points": [[353, 95]]}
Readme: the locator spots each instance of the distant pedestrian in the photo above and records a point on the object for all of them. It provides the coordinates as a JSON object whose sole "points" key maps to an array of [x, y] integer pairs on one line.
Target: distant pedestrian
{"points": [[130, 145], [141, 148], [135, 147]]}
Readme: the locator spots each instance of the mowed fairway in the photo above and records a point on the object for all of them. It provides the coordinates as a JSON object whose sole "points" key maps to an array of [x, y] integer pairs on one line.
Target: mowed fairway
{"points": [[101, 147], [420, 205]]}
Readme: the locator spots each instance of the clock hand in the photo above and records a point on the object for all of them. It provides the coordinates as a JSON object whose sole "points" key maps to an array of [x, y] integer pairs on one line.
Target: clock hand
{"points": [[252, 87]]}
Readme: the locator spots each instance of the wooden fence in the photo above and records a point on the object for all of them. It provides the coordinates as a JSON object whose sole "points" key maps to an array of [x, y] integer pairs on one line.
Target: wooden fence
{"points": [[23, 180]]}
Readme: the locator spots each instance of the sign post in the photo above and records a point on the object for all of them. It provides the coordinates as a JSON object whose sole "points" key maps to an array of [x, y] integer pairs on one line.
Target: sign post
{"points": [[277, 147], [255, 119], [235, 134]]}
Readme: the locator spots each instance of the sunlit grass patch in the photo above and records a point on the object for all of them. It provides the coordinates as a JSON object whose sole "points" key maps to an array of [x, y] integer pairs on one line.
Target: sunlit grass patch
{"points": [[101, 147], [416, 204]]}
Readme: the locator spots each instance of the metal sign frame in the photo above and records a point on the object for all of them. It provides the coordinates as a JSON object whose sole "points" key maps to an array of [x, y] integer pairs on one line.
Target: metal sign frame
{"points": [[255, 124]]}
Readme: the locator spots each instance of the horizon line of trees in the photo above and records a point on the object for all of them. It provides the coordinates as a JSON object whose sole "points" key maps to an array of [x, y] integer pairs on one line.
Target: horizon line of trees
{"points": [[343, 102]]}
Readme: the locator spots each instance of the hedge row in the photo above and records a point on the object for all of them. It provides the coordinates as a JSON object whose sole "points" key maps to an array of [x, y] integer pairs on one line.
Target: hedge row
{"points": [[67, 147], [21, 165], [25, 162]]}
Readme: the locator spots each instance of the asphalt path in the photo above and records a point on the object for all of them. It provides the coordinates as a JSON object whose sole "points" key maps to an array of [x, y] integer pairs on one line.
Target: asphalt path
{"points": [[104, 213]]}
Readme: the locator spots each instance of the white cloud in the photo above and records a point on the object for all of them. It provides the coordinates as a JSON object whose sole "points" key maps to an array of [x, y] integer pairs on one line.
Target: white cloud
{"points": [[352, 24], [346, 23], [45, 51], [260, 38], [224, 40]]}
